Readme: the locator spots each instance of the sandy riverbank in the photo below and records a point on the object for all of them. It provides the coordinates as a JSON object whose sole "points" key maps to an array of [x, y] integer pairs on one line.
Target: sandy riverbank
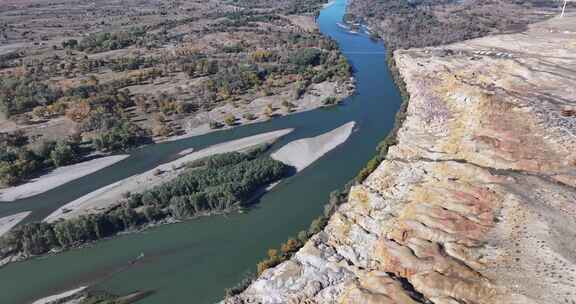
{"points": [[6, 223], [303, 152], [58, 177], [105, 197], [61, 297], [313, 99]]}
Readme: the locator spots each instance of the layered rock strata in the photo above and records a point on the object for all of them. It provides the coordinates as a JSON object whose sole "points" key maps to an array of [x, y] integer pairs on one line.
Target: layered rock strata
{"points": [[477, 202]]}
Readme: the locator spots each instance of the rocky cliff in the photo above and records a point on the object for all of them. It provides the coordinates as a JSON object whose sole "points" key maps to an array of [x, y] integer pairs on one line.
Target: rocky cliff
{"points": [[477, 202]]}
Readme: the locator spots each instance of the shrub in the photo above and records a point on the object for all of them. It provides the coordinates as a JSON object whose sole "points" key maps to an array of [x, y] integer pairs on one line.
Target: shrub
{"points": [[299, 90], [249, 116], [288, 105], [305, 57], [122, 137], [230, 120], [330, 101], [63, 154], [215, 125]]}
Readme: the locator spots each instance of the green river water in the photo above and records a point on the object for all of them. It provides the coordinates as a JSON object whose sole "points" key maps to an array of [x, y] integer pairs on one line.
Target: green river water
{"points": [[193, 262]]}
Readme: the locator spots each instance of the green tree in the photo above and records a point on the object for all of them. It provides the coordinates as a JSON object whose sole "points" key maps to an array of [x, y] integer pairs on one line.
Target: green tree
{"points": [[249, 116], [63, 154], [230, 120], [8, 174]]}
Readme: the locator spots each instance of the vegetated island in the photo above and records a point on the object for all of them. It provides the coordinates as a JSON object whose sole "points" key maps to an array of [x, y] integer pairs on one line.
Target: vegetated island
{"points": [[111, 77], [210, 181], [216, 184], [108, 196]]}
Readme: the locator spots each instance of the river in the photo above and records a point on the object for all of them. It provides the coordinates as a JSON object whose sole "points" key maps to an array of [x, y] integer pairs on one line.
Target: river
{"points": [[193, 262]]}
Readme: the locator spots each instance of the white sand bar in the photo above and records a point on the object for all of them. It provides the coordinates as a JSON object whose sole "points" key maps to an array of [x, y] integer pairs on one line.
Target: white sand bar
{"points": [[8, 222], [105, 197], [303, 152], [59, 297], [58, 177]]}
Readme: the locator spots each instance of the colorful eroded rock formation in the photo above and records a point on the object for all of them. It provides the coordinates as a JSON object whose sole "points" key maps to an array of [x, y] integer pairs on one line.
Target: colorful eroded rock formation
{"points": [[477, 202]]}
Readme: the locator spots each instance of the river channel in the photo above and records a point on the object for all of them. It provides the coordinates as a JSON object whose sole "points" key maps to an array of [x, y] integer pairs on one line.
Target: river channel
{"points": [[193, 262]]}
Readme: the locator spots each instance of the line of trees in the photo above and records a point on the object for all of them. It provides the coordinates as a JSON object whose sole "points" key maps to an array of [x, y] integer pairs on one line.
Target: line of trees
{"points": [[106, 41], [293, 244]]}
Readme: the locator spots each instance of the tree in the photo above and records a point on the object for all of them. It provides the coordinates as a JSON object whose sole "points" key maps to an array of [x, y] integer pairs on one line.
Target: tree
{"points": [[121, 137], [299, 90], [183, 108], [330, 101], [269, 110], [288, 105], [272, 253], [305, 57], [8, 174], [249, 116], [62, 154], [70, 44], [40, 112], [79, 111], [160, 127], [261, 55], [230, 119], [215, 125], [290, 246], [303, 236]]}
